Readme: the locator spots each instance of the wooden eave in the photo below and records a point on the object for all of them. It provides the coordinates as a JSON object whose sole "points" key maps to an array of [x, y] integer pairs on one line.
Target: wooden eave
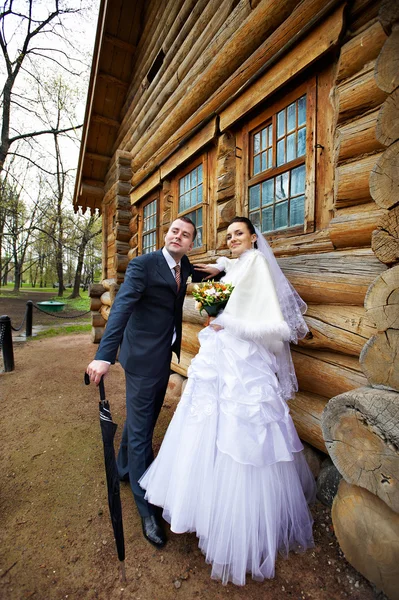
{"points": [[118, 30]]}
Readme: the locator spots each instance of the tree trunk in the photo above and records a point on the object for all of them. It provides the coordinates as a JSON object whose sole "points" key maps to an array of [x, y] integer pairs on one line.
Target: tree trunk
{"points": [[361, 432], [368, 532], [79, 266]]}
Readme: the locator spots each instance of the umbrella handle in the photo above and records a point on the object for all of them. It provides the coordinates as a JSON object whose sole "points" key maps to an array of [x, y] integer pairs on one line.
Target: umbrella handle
{"points": [[100, 385]]}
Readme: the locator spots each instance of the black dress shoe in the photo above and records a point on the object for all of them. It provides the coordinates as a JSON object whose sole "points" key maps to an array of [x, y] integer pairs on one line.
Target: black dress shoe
{"points": [[153, 531]]}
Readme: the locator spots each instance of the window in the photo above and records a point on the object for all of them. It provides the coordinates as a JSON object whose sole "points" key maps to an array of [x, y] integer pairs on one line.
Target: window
{"points": [[149, 227], [191, 199], [279, 159]]}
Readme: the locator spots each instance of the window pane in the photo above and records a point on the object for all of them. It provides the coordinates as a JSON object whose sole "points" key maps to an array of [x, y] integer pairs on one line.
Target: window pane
{"points": [[193, 197], [199, 173], [199, 199], [281, 123], [291, 117], [267, 219], [264, 157], [256, 143], [298, 180], [270, 136], [198, 214], [301, 111], [280, 152], [254, 197], [270, 158], [281, 215], [181, 186], [255, 218], [194, 178], [291, 154], [282, 186], [297, 211], [264, 139], [256, 164], [302, 141], [198, 240], [267, 192]]}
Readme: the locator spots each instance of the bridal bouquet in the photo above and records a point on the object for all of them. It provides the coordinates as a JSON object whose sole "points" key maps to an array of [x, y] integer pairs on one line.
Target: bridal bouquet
{"points": [[212, 296]]}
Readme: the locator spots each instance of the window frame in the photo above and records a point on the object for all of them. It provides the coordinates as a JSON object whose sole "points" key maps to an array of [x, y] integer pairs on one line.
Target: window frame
{"points": [[154, 197], [258, 123], [203, 159]]}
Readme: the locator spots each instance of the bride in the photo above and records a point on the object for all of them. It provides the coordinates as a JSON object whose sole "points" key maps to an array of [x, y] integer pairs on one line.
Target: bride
{"points": [[231, 466]]}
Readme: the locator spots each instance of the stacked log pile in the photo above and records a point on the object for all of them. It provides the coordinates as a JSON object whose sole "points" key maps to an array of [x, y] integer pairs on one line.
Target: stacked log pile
{"points": [[360, 427]]}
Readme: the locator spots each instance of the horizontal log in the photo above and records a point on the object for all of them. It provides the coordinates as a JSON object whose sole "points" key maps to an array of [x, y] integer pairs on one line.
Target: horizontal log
{"points": [[379, 360], [339, 328], [354, 226], [359, 94], [382, 300], [388, 14], [97, 320], [104, 311], [386, 69], [360, 50], [120, 278], [121, 262], [367, 532], [95, 303], [316, 242], [361, 432], [122, 232], [190, 342], [108, 283], [92, 191], [306, 410], [326, 373], [95, 290], [96, 334], [106, 298], [384, 178], [385, 240], [191, 314], [340, 277], [182, 365], [123, 217], [352, 181], [358, 137], [387, 127]]}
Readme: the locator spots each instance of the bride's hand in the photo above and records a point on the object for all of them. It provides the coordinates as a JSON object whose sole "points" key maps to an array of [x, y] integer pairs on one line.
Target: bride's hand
{"points": [[210, 269]]}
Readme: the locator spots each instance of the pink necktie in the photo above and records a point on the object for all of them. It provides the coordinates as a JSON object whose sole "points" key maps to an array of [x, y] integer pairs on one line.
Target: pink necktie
{"points": [[177, 277]]}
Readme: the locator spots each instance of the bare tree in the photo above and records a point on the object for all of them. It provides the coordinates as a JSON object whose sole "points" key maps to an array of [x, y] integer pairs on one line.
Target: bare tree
{"points": [[87, 230], [26, 16]]}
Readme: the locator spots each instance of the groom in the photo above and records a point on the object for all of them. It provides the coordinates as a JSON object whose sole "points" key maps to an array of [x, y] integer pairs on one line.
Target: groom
{"points": [[146, 320]]}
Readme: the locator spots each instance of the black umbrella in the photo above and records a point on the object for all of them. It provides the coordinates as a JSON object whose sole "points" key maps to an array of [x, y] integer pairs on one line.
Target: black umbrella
{"points": [[108, 430]]}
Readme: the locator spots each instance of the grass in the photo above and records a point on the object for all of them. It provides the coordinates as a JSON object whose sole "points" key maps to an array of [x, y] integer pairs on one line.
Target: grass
{"points": [[54, 331], [82, 304]]}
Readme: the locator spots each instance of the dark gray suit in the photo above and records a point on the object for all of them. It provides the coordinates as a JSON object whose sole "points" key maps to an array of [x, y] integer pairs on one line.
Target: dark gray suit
{"points": [[143, 317]]}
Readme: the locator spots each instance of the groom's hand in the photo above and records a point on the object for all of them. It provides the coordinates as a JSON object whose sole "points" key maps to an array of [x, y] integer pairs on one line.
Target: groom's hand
{"points": [[97, 369]]}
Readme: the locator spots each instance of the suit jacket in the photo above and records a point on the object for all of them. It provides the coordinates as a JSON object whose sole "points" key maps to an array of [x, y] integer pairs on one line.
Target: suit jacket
{"points": [[146, 310]]}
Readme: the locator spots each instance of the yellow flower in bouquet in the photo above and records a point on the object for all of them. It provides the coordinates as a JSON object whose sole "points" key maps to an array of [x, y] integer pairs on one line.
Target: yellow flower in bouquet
{"points": [[212, 296]]}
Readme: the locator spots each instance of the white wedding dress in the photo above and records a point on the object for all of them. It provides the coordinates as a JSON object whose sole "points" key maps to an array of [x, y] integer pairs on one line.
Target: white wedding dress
{"points": [[230, 467]]}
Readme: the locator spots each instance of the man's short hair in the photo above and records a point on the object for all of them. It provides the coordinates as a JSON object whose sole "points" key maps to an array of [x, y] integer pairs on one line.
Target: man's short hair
{"points": [[188, 220]]}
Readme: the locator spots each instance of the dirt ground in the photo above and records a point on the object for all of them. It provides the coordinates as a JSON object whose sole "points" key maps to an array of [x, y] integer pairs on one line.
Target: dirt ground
{"points": [[56, 539]]}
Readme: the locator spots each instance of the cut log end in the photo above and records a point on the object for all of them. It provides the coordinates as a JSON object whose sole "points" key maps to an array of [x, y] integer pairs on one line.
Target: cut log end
{"points": [[379, 360], [382, 300]]}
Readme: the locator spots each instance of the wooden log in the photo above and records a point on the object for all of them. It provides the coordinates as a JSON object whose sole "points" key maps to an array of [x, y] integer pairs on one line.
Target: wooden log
{"points": [[358, 94], [352, 183], [120, 278], [382, 300], [182, 366], [384, 178], [122, 232], [387, 127], [191, 314], [96, 334], [122, 202], [242, 38], [326, 373], [190, 341], [354, 226], [121, 247], [121, 262], [95, 303], [367, 532], [386, 68], [108, 283], [315, 242], [306, 410], [106, 298], [379, 360], [133, 252], [388, 14], [339, 328], [385, 240], [360, 50], [113, 291], [123, 217], [104, 311], [97, 320], [340, 277], [358, 137], [361, 432], [95, 290]]}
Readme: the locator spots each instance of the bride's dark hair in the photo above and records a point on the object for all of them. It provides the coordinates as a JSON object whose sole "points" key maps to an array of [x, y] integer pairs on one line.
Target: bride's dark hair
{"points": [[248, 223]]}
